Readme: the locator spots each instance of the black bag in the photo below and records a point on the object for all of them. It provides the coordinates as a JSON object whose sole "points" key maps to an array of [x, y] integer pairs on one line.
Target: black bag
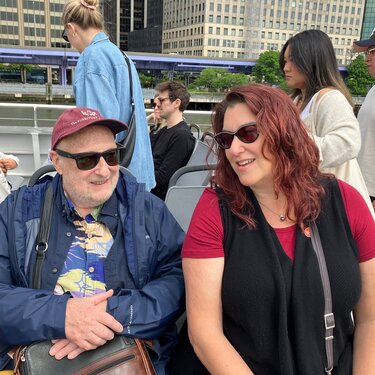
{"points": [[128, 143], [120, 356]]}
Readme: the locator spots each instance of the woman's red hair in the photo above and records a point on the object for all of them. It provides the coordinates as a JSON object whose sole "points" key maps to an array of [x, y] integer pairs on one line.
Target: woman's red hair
{"points": [[295, 155]]}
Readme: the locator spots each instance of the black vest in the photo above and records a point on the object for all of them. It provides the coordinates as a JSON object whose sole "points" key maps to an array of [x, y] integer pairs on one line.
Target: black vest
{"points": [[273, 307]]}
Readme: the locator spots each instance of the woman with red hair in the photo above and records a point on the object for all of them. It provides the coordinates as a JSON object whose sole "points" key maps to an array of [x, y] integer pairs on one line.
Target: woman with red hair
{"points": [[255, 299]]}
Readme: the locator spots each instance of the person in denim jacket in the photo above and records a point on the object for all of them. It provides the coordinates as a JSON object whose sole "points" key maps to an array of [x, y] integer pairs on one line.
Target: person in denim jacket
{"points": [[101, 80]]}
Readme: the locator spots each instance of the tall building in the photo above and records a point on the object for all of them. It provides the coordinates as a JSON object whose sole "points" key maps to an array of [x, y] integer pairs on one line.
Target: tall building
{"points": [[368, 19], [222, 29], [243, 29], [149, 39], [37, 23], [34, 23]]}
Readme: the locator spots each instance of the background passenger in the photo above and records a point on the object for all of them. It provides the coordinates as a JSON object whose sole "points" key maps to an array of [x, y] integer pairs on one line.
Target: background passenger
{"points": [[154, 121], [172, 145], [366, 119], [101, 79], [254, 292], [310, 67]]}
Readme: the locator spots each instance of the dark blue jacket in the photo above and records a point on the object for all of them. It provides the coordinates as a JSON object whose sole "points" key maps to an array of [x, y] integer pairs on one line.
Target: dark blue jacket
{"points": [[148, 282]]}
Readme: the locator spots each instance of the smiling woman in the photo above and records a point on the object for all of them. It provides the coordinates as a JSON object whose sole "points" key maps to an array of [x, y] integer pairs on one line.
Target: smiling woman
{"points": [[249, 265]]}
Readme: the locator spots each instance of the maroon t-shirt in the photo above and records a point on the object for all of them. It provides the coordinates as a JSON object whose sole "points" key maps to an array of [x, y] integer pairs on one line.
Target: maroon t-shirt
{"points": [[205, 236]]}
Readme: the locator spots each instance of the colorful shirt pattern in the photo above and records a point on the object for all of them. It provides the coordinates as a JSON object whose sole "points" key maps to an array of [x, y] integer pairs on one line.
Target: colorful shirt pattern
{"points": [[83, 271]]}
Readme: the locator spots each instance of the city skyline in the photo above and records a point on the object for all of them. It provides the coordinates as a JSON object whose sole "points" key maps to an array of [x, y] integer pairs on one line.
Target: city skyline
{"points": [[226, 29]]}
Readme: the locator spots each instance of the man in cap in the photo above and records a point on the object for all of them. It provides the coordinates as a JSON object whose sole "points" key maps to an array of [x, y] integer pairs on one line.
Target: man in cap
{"points": [[113, 260], [366, 119]]}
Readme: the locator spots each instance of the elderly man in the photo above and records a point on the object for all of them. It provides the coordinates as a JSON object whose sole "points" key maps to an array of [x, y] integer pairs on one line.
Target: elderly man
{"points": [[366, 119], [113, 260]]}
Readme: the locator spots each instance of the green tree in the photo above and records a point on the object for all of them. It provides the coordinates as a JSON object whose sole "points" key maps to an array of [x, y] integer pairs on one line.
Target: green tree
{"points": [[146, 80], [267, 70], [208, 76], [228, 80], [359, 80]]}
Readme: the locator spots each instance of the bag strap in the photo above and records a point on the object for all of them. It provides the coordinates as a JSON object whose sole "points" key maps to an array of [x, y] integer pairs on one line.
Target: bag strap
{"points": [[43, 236], [128, 143], [329, 319]]}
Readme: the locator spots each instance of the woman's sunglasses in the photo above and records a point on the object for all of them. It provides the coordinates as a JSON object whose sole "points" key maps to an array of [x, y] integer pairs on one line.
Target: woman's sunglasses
{"points": [[64, 35], [246, 133], [89, 160]]}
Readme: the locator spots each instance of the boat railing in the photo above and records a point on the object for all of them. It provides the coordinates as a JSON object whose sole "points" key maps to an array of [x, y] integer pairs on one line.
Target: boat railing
{"points": [[25, 131]]}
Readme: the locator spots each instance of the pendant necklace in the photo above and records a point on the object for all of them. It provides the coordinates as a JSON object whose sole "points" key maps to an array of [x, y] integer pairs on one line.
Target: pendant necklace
{"points": [[282, 217]]}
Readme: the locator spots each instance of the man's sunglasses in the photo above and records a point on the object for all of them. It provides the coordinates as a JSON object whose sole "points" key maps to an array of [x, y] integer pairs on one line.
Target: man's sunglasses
{"points": [[89, 160], [64, 35], [246, 133]]}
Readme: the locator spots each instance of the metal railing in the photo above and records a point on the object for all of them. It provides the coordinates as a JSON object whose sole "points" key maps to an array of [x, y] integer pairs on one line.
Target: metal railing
{"points": [[25, 131]]}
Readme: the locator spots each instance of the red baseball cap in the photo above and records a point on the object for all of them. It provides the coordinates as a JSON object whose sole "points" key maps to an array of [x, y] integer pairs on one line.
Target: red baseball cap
{"points": [[73, 120]]}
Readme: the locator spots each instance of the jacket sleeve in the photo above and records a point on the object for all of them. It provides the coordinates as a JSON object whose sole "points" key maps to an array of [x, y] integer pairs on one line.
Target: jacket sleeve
{"points": [[148, 310], [26, 315], [335, 129]]}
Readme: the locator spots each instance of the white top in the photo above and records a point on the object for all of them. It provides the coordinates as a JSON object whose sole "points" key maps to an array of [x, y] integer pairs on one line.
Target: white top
{"points": [[366, 157], [334, 127], [331, 121]]}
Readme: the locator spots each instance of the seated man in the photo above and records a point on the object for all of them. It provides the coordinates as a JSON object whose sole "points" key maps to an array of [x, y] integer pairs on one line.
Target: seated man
{"points": [[172, 145], [113, 261], [7, 162]]}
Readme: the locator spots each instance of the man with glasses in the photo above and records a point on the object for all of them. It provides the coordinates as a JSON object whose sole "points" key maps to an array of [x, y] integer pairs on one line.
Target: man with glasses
{"points": [[113, 260], [366, 119], [172, 145]]}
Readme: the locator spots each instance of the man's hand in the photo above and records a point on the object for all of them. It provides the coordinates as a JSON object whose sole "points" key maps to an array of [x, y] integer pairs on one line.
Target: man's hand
{"points": [[87, 324], [64, 348]]}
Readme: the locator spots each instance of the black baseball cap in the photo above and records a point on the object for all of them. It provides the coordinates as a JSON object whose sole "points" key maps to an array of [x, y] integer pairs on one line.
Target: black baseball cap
{"points": [[365, 44]]}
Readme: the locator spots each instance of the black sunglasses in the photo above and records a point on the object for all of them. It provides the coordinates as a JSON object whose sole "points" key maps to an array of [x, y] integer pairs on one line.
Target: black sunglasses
{"points": [[161, 99], [89, 160], [154, 105], [246, 133], [64, 35]]}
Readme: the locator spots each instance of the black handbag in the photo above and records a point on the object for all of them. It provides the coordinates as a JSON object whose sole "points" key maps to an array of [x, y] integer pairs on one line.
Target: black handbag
{"points": [[127, 145], [122, 355]]}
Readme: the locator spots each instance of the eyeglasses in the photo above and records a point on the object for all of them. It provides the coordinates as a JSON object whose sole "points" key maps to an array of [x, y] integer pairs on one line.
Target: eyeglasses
{"points": [[246, 133], [370, 52], [154, 105], [64, 35], [161, 99], [89, 160]]}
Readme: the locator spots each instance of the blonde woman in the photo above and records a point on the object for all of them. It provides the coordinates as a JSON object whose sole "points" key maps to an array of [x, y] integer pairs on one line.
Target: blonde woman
{"points": [[101, 79]]}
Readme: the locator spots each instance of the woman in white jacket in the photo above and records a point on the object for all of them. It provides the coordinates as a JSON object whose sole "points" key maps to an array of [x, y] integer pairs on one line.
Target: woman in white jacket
{"points": [[310, 67]]}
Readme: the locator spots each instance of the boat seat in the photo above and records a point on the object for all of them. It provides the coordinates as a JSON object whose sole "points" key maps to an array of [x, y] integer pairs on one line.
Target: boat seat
{"points": [[198, 174]]}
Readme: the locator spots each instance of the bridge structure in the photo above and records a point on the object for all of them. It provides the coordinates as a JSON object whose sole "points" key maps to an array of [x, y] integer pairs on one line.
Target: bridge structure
{"points": [[65, 60]]}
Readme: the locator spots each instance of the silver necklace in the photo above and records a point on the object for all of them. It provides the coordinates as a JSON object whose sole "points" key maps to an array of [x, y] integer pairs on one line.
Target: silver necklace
{"points": [[281, 216]]}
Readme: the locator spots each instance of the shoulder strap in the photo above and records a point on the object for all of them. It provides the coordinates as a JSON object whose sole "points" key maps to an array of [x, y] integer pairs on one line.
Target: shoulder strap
{"points": [[43, 236], [128, 143], [329, 319], [130, 80]]}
